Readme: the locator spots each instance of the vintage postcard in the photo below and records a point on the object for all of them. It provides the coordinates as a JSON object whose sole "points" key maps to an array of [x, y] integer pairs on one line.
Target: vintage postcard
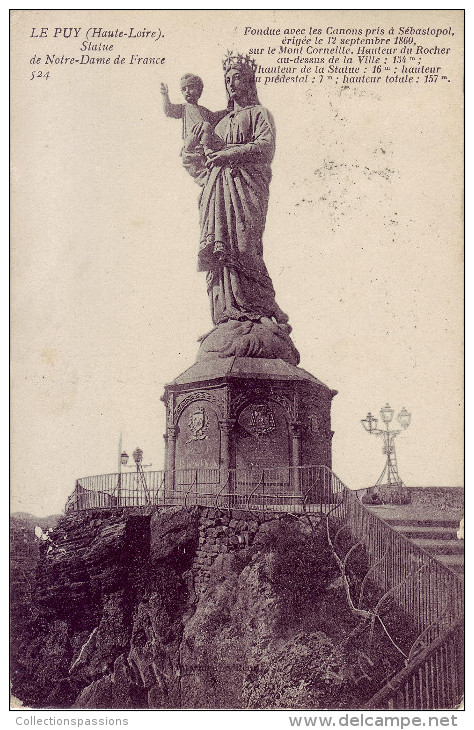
{"points": [[237, 256]]}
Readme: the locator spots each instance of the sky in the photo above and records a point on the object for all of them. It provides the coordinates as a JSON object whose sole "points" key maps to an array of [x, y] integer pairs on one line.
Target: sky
{"points": [[363, 242]]}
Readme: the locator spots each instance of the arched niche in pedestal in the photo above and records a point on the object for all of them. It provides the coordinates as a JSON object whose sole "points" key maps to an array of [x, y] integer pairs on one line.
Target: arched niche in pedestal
{"points": [[262, 437]]}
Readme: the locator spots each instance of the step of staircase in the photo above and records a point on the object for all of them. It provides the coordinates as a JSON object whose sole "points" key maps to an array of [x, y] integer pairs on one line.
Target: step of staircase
{"points": [[435, 534], [440, 547], [420, 522], [455, 562], [438, 532]]}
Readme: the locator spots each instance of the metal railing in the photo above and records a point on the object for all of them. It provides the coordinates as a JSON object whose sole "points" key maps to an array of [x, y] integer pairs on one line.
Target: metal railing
{"points": [[423, 587], [434, 680], [428, 591], [285, 489], [432, 595]]}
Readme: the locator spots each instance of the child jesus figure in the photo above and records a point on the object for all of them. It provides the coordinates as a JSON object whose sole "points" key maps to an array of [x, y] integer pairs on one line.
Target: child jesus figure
{"points": [[190, 112]]}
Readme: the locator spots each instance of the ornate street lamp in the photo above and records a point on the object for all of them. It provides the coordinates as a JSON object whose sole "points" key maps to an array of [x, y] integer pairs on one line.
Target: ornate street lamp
{"points": [[386, 414], [141, 480], [138, 456], [404, 418], [140, 475], [369, 423], [389, 477]]}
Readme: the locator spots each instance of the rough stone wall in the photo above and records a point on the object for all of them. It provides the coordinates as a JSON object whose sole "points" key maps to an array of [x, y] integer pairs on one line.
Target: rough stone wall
{"points": [[222, 533], [194, 608]]}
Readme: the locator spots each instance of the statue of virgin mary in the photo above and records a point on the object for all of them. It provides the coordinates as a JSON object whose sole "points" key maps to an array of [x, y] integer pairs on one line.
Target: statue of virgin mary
{"points": [[232, 163]]}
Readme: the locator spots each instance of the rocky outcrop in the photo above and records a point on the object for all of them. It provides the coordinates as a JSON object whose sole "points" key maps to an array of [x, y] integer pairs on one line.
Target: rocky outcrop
{"points": [[195, 608], [24, 556]]}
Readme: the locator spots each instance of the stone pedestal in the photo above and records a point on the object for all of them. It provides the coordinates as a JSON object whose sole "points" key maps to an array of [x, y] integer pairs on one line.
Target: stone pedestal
{"points": [[246, 413]]}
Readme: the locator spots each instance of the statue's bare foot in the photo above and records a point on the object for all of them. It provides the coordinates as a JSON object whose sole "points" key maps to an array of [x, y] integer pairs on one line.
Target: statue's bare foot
{"points": [[271, 325], [277, 327]]}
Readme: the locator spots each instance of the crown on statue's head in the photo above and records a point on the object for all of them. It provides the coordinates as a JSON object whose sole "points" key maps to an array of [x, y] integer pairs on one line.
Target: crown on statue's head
{"points": [[232, 60]]}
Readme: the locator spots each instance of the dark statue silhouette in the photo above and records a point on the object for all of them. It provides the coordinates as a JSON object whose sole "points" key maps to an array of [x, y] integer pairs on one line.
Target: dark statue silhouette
{"points": [[229, 154]]}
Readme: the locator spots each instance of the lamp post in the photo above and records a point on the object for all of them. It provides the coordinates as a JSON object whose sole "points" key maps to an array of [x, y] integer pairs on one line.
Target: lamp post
{"points": [[140, 478], [389, 477], [122, 461]]}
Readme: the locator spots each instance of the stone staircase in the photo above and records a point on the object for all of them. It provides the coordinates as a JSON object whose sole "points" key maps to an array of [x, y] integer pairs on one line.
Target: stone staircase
{"points": [[436, 535]]}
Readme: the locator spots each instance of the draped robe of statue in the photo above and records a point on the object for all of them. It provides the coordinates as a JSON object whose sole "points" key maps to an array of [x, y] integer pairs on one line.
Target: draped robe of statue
{"points": [[233, 207]]}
